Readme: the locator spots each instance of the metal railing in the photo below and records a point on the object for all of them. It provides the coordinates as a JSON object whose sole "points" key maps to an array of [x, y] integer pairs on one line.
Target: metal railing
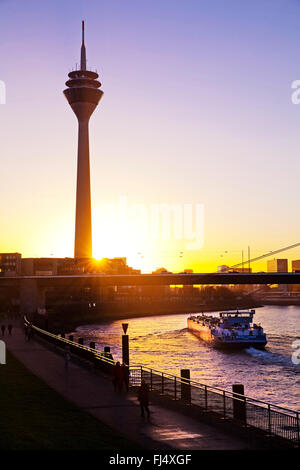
{"points": [[273, 420], [85, 352]]}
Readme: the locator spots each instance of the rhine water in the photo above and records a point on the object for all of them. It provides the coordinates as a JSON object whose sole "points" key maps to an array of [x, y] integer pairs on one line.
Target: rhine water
{"points": [[164, 343]]}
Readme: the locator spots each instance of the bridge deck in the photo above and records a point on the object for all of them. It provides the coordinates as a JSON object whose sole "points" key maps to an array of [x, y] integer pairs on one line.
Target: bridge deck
{"points": [[154, 279]]}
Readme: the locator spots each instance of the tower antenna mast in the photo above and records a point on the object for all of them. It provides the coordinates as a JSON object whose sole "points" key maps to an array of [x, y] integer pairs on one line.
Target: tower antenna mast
{"points": [[83, 51]]}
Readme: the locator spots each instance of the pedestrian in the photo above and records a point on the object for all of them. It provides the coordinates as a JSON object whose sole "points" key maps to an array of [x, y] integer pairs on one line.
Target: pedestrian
{"points": [[29, 332], [143, 398], [67, 357], [9, 329], [125, 371], [118, 377], [3, 329]]}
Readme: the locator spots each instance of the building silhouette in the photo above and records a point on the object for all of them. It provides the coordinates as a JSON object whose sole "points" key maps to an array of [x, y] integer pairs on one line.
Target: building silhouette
{"points": [[10, 264], [277, 265], [83, 95]]}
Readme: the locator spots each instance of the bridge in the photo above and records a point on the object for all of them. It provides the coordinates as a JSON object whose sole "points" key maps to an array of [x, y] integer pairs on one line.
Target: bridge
{"points": [[32, 289], [102, 280]]}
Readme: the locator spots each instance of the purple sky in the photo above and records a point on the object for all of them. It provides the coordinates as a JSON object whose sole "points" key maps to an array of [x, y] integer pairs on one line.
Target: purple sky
{"points": [[197, 109]]}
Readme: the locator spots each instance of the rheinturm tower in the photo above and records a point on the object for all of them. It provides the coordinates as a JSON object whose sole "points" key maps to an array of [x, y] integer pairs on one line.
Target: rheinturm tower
{"points": [[83, 95]]}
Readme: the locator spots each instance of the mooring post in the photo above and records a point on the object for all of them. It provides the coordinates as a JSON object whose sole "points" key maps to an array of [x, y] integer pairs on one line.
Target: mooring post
{"points": [[185, 385], [239, 403], [206, 398], [125, 345], [80, 341], [107, 352], [92, 345], [71, 338]]}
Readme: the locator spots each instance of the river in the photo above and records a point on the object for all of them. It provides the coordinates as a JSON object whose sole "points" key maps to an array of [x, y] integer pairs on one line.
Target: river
{"points": [[164, 343]]}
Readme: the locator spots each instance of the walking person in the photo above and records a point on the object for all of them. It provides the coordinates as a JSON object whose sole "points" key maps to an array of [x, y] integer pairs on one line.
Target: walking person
{"points": [[143, 398], [118, 377], [67, 357], [29, 332], [3, 329], [9, 329], [26, 332], [125, 373]]}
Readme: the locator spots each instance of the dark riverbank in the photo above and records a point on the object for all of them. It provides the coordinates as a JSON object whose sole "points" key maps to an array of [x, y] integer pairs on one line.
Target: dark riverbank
{"points": [[68, 321]]}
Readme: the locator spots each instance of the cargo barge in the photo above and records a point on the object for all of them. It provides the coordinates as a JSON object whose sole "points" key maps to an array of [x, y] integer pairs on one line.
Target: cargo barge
{"points": [[228, 330]]}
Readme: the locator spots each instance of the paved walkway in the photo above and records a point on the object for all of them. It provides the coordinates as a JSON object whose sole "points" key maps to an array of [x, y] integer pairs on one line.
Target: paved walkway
{"points": [[94, 393]]}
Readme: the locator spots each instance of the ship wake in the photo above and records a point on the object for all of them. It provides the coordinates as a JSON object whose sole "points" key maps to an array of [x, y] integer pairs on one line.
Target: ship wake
{"points": [[269, 357]]}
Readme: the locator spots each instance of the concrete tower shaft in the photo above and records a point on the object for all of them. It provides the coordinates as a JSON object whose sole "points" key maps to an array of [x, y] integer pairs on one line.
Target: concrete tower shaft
{"points": [[83, 95]]}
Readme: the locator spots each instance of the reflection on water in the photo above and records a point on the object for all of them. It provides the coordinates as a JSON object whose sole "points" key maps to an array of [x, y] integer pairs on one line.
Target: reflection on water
{"points": [[164, 343]]}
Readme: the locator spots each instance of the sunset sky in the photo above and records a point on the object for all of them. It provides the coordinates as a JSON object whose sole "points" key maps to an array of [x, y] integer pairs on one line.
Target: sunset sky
{"points": [[196, 110]]}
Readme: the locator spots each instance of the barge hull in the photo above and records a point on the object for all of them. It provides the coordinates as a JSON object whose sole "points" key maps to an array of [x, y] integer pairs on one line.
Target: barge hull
{"points": [[205, 335]]}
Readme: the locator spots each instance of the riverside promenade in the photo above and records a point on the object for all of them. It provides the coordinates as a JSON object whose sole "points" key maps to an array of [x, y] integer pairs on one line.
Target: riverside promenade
{"points": [[93, 392]]}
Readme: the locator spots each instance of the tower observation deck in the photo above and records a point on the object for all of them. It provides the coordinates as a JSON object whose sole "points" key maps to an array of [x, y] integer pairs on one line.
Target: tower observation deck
{"points": [[83, 94]]}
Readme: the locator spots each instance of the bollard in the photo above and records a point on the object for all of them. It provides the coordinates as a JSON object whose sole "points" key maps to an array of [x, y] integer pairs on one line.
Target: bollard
{"points": [[92, 345], [62, 335], [239, 404], [80, 341], [107, 352], [185, 385], [71, 338]]}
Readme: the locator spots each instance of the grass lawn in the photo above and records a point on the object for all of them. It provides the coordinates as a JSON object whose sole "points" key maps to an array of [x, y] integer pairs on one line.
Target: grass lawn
{"points": [[33, 416]]}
